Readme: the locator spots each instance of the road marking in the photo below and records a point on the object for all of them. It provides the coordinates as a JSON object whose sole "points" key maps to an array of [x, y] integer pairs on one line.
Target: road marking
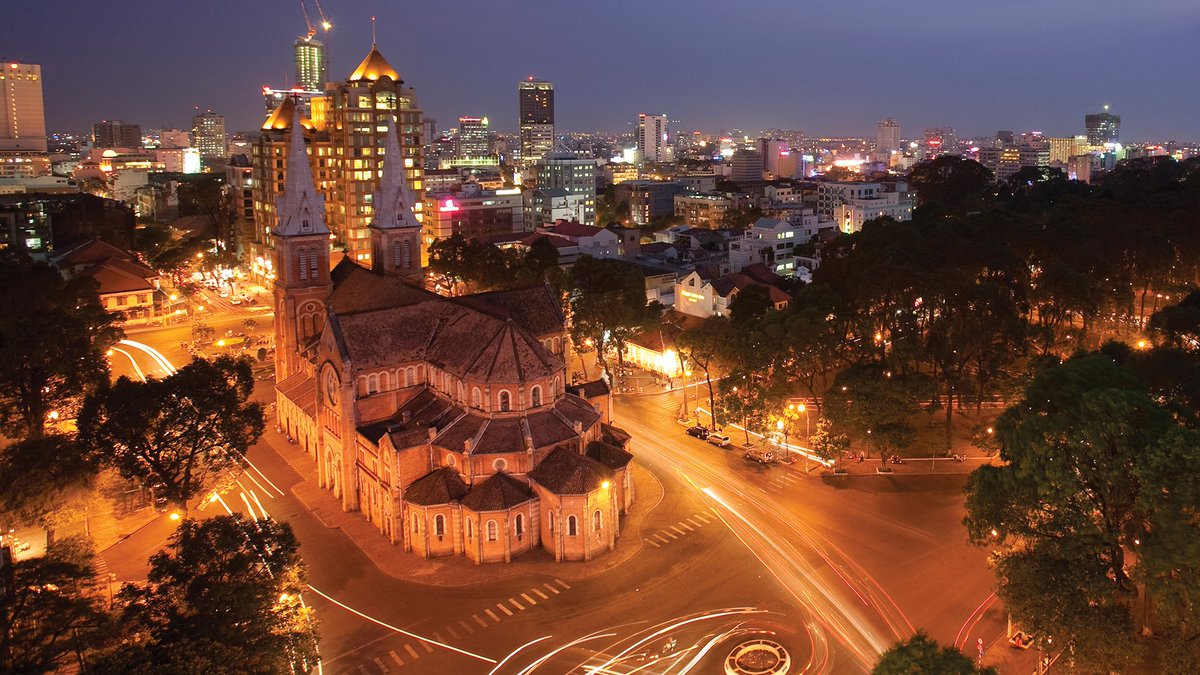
{"points": [[363, 669], [396, 657], [466, 626], [687, 526], [450, 629], [693, 522], [790, 478], [438, 637], [382, 666], [480, 621], [504, 608], [565, 585], [661, 538], [411, 652], [491, 615], [427, 647], [551, 589], [706, 519], [653, 543], [670, 534], [677, 530], [541, 594], [514, 603], [528, 599]]}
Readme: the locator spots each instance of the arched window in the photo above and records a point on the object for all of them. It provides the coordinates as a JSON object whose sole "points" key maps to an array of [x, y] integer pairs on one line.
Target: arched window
{"points": [[372, 384], [519, 525], [557, 346], [557, 389], [476, 398], [551, 522], [470, 528], [596, 521], [383, 381], [397, 255], [535, 396], [451, 460], [416, 523], [412, 377], [302, 258], [572, 526], [505, 401], [491, 530], [313, 259], [439, 524]]}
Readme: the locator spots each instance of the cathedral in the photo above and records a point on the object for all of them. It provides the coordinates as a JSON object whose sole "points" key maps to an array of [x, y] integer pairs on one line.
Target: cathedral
{"points": [[446, 422]]}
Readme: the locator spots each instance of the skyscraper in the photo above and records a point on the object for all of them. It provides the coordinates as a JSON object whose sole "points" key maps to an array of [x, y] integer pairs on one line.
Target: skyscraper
{"points": [[536, 119], [116, 134], [1102, 127], [567, 170], [940, 141], [652, 138], [887, 139], [22, 118], [312, 63], [472, 137], [208, 133]]}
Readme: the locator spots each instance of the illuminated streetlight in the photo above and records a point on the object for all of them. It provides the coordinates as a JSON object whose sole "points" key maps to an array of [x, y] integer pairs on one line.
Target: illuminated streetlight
{"points": [[605, 485], [174, 515]]}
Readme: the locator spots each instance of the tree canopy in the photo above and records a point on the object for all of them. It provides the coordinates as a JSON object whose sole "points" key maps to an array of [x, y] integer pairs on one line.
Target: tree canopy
{"points": [[607, 302], [922, 654], [46, 481]]}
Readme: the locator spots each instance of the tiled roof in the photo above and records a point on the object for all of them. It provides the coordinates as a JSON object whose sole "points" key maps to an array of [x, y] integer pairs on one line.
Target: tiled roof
{"points": [[114, 279], [569, 228], [614, 435], [760, 273], [91, 251], [501, 435], [499, 492], [357, 289], [441, 486], [300, 389], [589, 390], [609, 455], [566, 472], [536, 309]]}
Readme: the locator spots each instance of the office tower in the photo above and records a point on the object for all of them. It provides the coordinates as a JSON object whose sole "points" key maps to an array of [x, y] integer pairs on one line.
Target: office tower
{"points": [[116, 134], [208, 134], [776, 157], [22, 118], [940, 141], [355, 115], [887, 139], [536, 118], [312, 64], [563, 169], [652, 138], [747, 168], [472, 137], [1102, 127]]}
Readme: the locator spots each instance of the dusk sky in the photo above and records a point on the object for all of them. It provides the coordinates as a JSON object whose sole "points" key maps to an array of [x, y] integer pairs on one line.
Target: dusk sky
{"points": [[823, 67]]}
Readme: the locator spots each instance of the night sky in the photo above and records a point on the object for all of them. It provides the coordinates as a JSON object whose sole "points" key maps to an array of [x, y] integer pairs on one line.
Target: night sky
{"points": [[827, 67]]}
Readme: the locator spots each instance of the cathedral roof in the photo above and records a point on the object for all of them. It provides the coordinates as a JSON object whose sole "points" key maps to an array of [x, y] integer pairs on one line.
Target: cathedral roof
{"points": [[374, 67], [566, 472], [441, 486], [394, 200], [300, 209], [499, 492], [609, 455]]}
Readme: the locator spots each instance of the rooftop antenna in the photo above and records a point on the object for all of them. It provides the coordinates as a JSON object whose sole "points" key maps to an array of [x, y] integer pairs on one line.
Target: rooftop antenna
{"points": [[372, 32]]}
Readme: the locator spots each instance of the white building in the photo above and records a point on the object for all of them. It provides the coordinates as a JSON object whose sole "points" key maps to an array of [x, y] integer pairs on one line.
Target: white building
{"points": [[852, 213], [652, 138], [597, 242], [887, 140], [769, 242]]}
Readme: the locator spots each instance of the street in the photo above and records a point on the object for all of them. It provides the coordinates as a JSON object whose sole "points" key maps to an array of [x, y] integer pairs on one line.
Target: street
{"points": [[829, 571]]}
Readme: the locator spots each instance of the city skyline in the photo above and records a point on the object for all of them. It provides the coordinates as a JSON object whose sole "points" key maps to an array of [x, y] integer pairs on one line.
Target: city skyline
{"points": [[914, 65]]}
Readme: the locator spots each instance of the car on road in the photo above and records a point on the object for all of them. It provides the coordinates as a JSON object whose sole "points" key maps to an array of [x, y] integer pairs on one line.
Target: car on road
{"points": [[698, 431], [235, 301], [223, 294], [718, 439], [760, 455]]}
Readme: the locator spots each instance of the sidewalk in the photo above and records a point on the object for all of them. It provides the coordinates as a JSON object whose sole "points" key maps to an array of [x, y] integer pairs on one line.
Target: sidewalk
{"points": [[392, 559]]}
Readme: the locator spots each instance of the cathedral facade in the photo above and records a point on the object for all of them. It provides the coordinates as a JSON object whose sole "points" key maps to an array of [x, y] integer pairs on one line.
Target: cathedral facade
{"points": [[446, 422]]}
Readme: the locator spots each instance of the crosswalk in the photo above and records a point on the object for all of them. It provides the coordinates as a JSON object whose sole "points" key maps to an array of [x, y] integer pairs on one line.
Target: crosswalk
{"points": [[479, 620], [681, 529]]}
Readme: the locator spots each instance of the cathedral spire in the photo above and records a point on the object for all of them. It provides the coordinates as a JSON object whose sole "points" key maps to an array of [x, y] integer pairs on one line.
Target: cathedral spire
{"points": [[301, 209], [394, 200]]}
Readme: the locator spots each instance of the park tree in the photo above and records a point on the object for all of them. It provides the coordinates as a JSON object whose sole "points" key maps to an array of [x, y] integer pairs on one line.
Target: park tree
{"points": [[223, 597], [202, 333], [922, 654], [877, 405], [607, 302], [950, 183], [52, 617], [178, 432], [1179, 324], [827, 443], [750, 303], [704, 347], [806, 341], [1095, 504], [53, 339], [748, 399], [48, 482]]}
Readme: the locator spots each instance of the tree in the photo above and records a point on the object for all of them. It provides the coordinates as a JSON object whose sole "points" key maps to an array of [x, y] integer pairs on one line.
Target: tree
{"points": [[1098, 496], [950, 182], [607, 300], [747, 397], [53, 339], [224, 597], [51, 612], [179, 432], [922, 654], [249, 324], [750, 303], [827, 444], [1179, 324], [202, 332], [703, 346], [877, 404], [47, 481]]}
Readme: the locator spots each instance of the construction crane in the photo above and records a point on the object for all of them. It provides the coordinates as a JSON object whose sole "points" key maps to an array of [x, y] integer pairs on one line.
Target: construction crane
{"points": [[325, 24]]}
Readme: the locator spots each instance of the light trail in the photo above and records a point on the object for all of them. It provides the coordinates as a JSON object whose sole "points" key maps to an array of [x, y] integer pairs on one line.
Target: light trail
{"points": [[964, 632], [153, 353], [389, 626], [129, 356], [671, 627], [513, 653], [593, 636]]}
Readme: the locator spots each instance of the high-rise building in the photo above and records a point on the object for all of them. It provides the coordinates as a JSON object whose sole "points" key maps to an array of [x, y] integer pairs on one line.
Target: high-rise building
{"points": [[1063, 149], [562, 168], [472, 138], [747, 167], [652, 138], [536, 119], [940, 141], [312, 63], [116, 134], [22, 117], [887, 139], [1102, 127], [208, 134]]}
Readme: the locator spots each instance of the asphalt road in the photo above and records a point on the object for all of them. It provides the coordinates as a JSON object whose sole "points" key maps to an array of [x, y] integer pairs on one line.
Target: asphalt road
{"points": [[832, 570]]}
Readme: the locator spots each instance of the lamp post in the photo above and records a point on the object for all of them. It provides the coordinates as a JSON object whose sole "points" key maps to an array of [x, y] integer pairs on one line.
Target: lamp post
{"points": [[782, 428]]}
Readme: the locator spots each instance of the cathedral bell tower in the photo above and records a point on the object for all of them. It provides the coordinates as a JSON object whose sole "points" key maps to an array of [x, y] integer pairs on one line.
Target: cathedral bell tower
{"points": [[301, 259], [395, 232]]}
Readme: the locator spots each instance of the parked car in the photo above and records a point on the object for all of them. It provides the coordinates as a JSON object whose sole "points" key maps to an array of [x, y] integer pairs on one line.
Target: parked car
{"points": [[718, 439], [760, 455], [698, 431]]}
